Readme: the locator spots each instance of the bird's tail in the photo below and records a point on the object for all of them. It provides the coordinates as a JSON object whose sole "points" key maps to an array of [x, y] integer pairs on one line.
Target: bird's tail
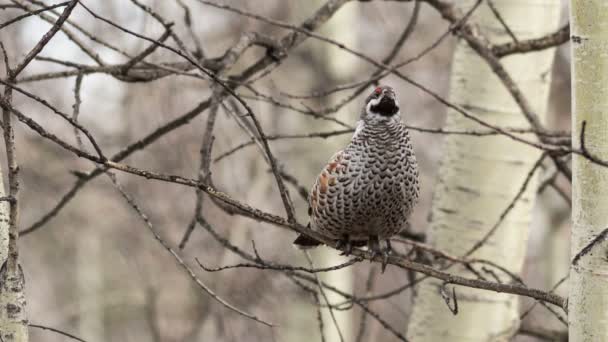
{"points": [[305, 242]]}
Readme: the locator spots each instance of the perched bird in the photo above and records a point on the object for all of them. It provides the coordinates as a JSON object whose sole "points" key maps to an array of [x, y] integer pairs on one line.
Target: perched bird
{"points": [[367, 191]]}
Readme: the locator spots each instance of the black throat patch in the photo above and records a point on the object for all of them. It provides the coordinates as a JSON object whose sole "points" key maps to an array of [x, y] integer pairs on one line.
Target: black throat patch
{"points": [[386, 107]]}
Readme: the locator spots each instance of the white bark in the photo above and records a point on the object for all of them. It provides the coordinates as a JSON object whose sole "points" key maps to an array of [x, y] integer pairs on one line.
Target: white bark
{"points": [[479, 177], [91, 296], [343, 280], [4, 216], [588, 302], [342, 28], [13, 318]]}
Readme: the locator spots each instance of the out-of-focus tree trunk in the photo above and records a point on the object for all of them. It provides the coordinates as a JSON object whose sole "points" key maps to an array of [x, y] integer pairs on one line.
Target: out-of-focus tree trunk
{"points": [[588, 302], [90, 286], [331, 65], [339, 66], [478, 178]]}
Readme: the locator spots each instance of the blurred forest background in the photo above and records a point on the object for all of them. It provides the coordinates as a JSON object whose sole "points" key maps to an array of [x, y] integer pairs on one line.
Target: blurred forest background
{"points": [[96, 271]]}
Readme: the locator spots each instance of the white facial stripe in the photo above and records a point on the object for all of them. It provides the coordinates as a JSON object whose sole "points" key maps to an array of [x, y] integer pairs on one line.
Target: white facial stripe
{"points": [[376, 101], [371, 103]]}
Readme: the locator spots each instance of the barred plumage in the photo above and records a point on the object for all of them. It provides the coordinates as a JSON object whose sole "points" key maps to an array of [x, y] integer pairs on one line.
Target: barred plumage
{"points": [[368, 190]]}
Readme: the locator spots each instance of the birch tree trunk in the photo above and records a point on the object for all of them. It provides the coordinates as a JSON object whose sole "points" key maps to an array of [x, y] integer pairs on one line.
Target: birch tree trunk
{"points": [[339, 65], [90, 285], [588, 302], [479, 177], [13, 318]]}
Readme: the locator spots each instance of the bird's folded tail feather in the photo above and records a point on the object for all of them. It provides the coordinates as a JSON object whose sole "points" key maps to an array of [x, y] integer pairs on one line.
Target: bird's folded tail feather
{"points": [[305, 242]]}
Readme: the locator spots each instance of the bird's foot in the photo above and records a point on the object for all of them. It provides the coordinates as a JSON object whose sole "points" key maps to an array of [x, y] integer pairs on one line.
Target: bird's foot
{"points": [[376, 250], [346, 245]]}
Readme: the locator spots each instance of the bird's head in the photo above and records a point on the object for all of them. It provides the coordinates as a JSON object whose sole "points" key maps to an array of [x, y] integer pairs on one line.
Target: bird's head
{"points": [[381, 104]]}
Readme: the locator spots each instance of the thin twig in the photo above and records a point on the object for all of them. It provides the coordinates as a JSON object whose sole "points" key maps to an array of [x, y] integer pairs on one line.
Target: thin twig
{"points": [[55, 330], [177, 258]]}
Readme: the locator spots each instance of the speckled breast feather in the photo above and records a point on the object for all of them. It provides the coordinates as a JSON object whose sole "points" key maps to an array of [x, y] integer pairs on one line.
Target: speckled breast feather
{"points": [[370, 187]]}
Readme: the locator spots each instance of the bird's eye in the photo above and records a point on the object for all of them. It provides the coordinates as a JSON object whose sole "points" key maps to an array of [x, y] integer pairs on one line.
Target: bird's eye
{"points": [[378, 91]]}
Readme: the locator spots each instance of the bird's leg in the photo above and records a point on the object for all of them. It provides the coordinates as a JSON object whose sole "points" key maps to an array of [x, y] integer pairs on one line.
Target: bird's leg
{"points": [[340, 243], [389, 248], [374, 247], [386, 253], [345, 244]]}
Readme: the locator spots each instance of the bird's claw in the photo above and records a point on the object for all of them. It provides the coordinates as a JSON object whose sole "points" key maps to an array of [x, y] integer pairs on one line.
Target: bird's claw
{"points": [[376, 250], [385, 255], [345, 244]]}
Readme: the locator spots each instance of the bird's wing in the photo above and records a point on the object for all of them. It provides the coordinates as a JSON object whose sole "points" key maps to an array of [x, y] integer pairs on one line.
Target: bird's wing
{"points": [[328, 178]]}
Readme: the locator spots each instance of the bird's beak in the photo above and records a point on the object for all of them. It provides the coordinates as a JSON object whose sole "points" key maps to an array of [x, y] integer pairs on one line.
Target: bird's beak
{"points": [[389, 93]]}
